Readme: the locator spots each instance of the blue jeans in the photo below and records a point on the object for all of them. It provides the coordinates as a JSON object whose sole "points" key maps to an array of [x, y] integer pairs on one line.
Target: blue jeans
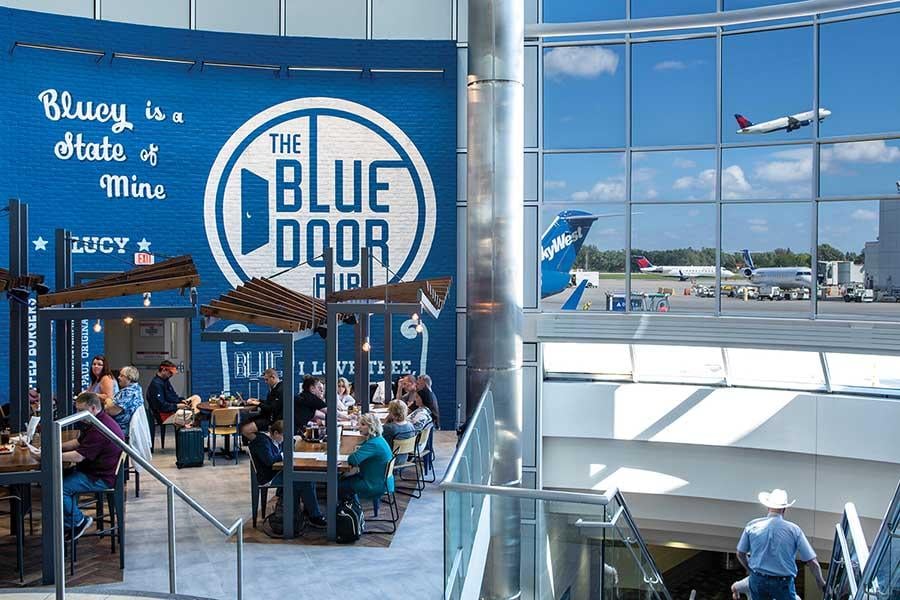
{"points": [[75, 483], [306, 490], [771, 588]]}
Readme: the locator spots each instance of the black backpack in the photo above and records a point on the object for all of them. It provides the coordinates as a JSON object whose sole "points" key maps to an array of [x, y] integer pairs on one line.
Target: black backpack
{"points": [[350, 521], [275, 520]]}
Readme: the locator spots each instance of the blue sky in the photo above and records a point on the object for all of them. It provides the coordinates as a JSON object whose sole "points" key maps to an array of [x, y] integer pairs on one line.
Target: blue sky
{"points": [[767, 75]]}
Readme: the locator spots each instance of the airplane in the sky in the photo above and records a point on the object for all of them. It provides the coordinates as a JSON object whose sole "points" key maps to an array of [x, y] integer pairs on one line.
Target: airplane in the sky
{"points": [[783, 277], [682, 272], [789, 123], [559, 247]]}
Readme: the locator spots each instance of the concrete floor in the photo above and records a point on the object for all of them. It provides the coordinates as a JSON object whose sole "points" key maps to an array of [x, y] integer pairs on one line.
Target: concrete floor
{"points": [[206, 560]]}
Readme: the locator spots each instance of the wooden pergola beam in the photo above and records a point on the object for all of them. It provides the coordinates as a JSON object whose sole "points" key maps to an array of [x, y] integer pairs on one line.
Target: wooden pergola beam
{"points": [[70, 296]]}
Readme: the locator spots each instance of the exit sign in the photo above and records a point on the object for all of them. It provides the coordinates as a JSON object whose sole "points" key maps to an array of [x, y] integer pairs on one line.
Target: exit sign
{"points": [[143, 258]]}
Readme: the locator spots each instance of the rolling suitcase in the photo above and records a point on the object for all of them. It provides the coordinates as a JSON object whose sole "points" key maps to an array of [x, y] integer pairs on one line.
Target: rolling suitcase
{"points": [[189, 447]]}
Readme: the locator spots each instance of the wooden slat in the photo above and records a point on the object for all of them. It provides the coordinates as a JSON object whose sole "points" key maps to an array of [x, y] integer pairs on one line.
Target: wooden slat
{"points": [[231, 304], [163, 270], [242, 295], [246, 317], [70, 296], [436, 289], [300, 302]]}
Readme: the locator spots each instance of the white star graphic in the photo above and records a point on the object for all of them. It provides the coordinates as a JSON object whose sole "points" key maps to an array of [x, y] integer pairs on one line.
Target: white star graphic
{"points": [[40, 243], [143, 245]]}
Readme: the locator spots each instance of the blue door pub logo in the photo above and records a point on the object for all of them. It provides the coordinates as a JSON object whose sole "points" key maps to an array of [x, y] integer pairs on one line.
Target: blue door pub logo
{"points": [[313, 173]]}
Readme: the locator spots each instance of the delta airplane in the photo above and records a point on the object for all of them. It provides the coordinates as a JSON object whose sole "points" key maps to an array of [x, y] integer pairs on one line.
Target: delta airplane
{"points": [[783, 277], [559, 248], [683, 272], [789, 123]]}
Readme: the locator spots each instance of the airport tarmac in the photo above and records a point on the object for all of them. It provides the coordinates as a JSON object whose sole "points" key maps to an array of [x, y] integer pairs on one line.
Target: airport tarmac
{"points": [[595, 299]]}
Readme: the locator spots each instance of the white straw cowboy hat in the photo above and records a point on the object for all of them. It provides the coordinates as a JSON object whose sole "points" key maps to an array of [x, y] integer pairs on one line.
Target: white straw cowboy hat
{"points": [[776, 499]]}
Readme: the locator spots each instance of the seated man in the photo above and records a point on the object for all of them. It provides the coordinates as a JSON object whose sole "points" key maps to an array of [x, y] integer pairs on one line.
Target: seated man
{"points": [[128, 399], [270, 410], [163, 398], [96, 458], [307, 402], [266, 451]]}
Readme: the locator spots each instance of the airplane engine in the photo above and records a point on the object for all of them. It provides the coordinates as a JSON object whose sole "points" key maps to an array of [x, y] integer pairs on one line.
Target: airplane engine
{"points": [[747, 271]]}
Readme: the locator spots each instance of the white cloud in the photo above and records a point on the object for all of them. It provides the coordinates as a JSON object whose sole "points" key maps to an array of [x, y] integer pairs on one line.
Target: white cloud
{"points": [[683, 163], [792, 166], [607, 189], [757, 221], [554, 184], [580, 61], [651, 194], [863, 214], [670, 65], [643, 174], [871, 151], [734, 182]]}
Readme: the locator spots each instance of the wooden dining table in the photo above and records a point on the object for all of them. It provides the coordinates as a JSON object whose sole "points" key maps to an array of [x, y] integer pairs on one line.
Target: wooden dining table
{"points": [[211, 406], [22, 460], [349, 443]]}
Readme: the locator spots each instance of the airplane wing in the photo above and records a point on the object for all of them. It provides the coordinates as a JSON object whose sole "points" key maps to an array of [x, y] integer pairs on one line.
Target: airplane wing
{"points": [[575, 298]]}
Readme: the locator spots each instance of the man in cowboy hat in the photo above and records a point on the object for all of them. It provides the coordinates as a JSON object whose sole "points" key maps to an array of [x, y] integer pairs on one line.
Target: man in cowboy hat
{"points": [[772, 544]]}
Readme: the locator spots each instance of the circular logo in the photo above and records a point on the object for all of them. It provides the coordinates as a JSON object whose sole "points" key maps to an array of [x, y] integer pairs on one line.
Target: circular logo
{"points": [[317, 173]]}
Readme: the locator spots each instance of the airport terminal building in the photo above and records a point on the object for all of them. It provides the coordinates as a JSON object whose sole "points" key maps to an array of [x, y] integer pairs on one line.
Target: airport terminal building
{"points": [[647, 251]]}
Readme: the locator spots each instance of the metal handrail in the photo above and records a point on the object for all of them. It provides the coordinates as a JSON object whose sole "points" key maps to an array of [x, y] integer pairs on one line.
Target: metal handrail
{"points": [[644, 550], [882, 542], [450, 473], [172, 490]]}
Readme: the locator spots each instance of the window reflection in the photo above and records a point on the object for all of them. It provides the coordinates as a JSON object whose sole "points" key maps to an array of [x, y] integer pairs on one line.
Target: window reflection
{"points": [[767, 76], [679, 364], [865, 168], [674, 99], [584, 97], [582, 242], [665, 8], [673, 247], [766, 172], [599, 359], [769, 247], [573, 11], [859, 260], [754, 367], [584, 177], [859, 75], [673, 175]]}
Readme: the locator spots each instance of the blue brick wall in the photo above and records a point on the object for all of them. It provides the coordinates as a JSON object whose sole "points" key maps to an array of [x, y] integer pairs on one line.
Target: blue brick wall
{"points": [[215, 103]]}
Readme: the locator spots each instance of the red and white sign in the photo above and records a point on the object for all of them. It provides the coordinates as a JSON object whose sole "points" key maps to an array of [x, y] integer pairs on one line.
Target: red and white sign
{"points": [[144, 258]]}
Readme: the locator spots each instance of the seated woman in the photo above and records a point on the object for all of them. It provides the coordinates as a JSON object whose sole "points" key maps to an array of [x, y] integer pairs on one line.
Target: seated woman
{"points": [[396, 427], [129, 398], [345, 400], [371, 458], [426, 410], [102, 381]]}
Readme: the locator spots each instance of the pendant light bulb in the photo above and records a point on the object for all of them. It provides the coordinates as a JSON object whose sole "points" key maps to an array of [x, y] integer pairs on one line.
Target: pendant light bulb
{"points": [[366, 345], [98, 327]]}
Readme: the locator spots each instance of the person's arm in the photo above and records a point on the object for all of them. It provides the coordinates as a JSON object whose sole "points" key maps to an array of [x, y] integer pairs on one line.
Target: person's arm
{"points": [[107, 388], [813, 565], [742, 558], [72, 457], [69, 445], [111, 407], [743, 548], [362, 454]]}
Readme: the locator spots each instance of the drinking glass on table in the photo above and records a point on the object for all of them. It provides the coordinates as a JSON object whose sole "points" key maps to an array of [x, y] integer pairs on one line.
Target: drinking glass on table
{"points": [[4, 437]]}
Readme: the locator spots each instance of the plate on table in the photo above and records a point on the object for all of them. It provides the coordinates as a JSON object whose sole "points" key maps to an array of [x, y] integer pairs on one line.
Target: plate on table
{"points": [[6, 449]]}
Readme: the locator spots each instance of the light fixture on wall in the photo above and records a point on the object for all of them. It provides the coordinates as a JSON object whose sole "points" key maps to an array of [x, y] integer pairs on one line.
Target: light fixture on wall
{"points": [[146, 298], [366, 345], [128, 320], [98, 327]]}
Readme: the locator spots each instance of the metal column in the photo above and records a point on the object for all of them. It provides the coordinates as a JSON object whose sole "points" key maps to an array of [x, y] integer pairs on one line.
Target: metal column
{"points": [[331, 377], [494, 268], [68, 369], [361, 382], [18, 317]]}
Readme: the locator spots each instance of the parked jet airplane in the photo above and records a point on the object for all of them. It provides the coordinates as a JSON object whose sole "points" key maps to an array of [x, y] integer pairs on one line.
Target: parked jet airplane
{"points": [[683, 272], [789, 123], [783, 277], [559, 248]]}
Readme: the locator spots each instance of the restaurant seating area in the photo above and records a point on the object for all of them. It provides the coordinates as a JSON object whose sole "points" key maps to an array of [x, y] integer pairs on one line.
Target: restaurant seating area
{"points": [[225, 490]]}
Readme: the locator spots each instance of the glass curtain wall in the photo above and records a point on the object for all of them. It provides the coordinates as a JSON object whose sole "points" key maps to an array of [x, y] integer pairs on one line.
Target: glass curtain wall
{"points": [[687, 172]]}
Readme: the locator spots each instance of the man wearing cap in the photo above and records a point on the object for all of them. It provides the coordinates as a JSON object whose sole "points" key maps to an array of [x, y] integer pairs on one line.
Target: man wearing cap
{"points": [[772, 544], [163, 398]]}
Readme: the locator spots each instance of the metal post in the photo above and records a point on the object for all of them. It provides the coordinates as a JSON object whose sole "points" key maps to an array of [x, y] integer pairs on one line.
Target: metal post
{"points": [[59, 556], [240, 559], [170, 507], [495, 188], [365, 320], [287, 393], [51, 482], [388, 355], [331, 377], [18, 316], [63, 345]]}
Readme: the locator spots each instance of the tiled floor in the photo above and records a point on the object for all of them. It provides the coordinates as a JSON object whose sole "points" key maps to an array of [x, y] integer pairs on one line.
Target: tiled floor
{"points": [[206, 561]]}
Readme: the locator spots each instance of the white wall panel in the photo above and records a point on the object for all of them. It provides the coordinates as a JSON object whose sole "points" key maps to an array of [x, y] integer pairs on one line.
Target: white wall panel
{"points": [[241, 16], [335, 18], [72, 8], [412, 19], [859, 428], [162, 13]]}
